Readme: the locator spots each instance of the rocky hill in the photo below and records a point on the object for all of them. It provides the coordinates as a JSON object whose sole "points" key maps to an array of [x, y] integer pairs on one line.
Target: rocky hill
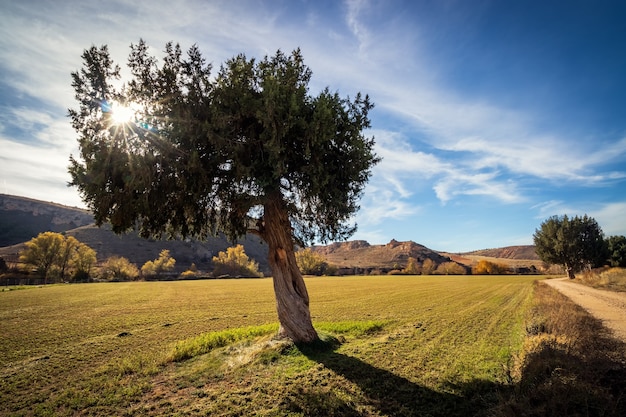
{"points": [[23, 218], [360, 255], [508, 252]]}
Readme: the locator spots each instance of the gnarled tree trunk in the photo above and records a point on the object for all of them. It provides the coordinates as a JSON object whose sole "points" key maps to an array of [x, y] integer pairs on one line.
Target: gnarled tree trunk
{"points": [[292, 298]]}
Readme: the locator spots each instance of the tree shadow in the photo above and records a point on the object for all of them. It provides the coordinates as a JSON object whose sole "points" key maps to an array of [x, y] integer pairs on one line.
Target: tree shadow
{"points": [[389, 394]]}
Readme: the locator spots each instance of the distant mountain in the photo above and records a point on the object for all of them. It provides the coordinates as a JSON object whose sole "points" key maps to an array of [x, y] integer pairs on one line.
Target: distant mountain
{"points": [[23, 218], [359, 254], [508, 252]]}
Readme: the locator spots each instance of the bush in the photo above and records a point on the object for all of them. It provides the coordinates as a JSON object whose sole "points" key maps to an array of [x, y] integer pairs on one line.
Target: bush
{"points": [[450, 268], [118, 268], [484, 267]]}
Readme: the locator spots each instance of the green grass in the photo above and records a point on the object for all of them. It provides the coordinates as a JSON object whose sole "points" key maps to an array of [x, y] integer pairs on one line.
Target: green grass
{"points": [[400, 345]]}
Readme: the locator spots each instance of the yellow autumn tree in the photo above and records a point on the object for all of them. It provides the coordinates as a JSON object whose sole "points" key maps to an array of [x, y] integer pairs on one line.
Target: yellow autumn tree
{"points": [[484, 267], [235, 263], [310, 262], [164, 263]]}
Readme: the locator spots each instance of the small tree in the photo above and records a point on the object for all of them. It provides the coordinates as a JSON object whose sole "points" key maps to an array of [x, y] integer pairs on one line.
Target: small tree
{"points": [[43, 253], [118, 268], [235, 262], [450, 268], [412, 267], [428, 266], [82, 262], [484, 267], [164, 263], [575, 243], [311, 262], [617, 250]]}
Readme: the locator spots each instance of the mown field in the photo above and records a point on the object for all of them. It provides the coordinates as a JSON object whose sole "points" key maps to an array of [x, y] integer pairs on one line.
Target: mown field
{"points": [[401, 345]]}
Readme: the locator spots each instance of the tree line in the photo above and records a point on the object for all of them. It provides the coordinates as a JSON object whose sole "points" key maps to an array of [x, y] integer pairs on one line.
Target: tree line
{"points": [[57, 258]]}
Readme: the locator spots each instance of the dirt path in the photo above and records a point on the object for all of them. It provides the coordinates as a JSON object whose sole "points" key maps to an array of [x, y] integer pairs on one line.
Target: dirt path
{"points": [[608, 306]]}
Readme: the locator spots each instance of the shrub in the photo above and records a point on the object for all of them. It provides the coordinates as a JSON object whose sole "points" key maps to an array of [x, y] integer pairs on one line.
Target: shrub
{"points": [[118, 268], [450, 268], [484, 267]]}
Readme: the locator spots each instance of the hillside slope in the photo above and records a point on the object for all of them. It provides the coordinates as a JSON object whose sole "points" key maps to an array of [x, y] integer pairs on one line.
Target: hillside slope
{"points": [[361, 255], [23, 218]]}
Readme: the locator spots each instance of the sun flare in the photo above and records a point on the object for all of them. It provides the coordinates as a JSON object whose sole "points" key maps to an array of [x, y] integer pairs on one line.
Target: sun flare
{"points": [[122, 114]]}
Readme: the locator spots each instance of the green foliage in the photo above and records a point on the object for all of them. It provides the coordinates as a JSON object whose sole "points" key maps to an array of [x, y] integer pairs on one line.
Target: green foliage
{"points": [[575, 243], [235, 262], [206, 153], [484, 267], [164, 263], [118, 268], [617, 250], [310, 262], [53, 254], [206, 342]]}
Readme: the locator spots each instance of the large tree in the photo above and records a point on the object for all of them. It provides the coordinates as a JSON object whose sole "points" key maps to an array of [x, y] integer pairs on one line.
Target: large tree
{"points": [[246, 151], [576, 243]]}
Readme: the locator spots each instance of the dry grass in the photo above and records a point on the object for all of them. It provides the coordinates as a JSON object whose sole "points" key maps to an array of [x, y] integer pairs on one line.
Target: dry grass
{"points": [[613, 279], [394, 346], [569, 364]]}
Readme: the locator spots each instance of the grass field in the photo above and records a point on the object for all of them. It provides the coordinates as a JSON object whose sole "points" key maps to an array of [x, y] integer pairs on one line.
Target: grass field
{"points": [[402, 345]]}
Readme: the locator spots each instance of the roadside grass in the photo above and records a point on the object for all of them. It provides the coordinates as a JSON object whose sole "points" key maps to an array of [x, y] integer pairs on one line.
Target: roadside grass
{"points": [[569, 364], [398, 345], [613, 279]]}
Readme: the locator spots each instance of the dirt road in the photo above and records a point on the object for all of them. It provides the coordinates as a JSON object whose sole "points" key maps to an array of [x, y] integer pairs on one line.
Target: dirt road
{"points": [[608, 306]]}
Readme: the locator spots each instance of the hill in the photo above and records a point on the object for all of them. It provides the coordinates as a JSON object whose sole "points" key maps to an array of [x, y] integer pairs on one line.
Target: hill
{"points": [[23, 218], [508, 252], [360, 256]]}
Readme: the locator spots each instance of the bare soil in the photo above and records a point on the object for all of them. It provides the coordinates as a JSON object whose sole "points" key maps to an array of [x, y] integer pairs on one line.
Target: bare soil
{"points": [[608, 306]]}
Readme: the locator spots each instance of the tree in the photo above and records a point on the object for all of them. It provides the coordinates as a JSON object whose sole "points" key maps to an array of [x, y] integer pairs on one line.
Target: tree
{"points": [[428, 266], [412, 267], [450, 268], [82, 262], [235, 262], [246, 151], [54, 254], [617, 250], [484, 267], [118, 268], [575, 243], [310, 262], [164, 263], [43, 253]]}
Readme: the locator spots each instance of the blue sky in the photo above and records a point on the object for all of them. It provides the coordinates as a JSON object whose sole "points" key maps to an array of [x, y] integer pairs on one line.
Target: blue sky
{"points": [[490, 115]]}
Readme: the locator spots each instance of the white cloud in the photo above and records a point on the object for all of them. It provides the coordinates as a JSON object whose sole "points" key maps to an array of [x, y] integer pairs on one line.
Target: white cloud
{"points": [[612, 218]]}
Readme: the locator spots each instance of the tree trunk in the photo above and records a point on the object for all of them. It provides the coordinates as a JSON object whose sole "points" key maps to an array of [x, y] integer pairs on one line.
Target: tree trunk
{"points": [[292, 298], [570, 271]]}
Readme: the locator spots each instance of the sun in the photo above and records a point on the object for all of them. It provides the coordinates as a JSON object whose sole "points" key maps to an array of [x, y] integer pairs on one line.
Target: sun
{"points": [[123, 114]]}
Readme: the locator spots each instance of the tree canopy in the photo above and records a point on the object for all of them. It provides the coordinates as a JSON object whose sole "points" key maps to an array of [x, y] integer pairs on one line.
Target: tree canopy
{"points": [[53, 254], [246, 151], [576, 243]]}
